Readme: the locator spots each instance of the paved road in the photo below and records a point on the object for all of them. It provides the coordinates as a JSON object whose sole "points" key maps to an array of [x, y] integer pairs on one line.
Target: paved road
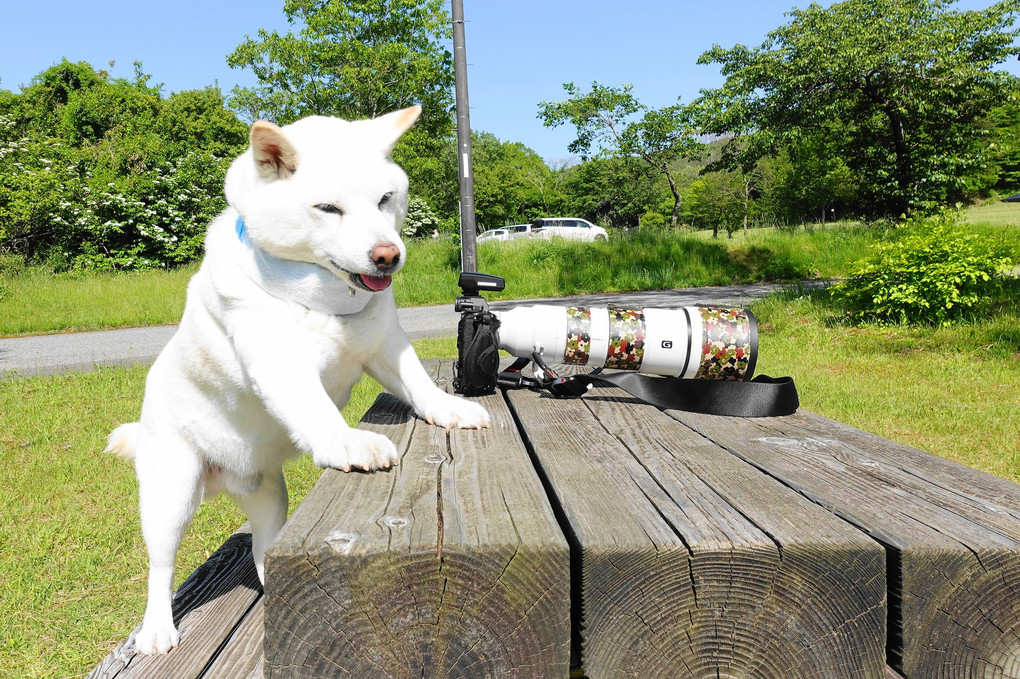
{"points": [[49, 354]]}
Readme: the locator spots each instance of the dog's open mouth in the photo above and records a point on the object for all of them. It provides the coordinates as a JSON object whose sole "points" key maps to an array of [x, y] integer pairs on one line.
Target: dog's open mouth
{"points": [[364, 281], [371, 283]]}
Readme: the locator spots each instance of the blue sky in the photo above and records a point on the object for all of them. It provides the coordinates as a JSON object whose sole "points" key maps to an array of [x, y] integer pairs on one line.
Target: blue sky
{"points": [[519, 52]]}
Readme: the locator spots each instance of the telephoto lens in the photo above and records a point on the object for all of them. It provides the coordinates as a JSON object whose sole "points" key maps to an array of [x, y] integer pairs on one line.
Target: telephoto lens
{"points": [[697, 342]]}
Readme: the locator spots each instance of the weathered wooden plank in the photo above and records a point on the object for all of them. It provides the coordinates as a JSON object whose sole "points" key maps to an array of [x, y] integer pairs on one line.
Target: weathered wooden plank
{"points": [[241, 656], [692, 562], [952, 535], [207, 608], [450, 565]]}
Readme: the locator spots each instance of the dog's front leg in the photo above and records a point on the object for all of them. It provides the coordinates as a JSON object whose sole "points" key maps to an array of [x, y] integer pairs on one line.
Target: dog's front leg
{"points": [[279, 365], [398, 369]]}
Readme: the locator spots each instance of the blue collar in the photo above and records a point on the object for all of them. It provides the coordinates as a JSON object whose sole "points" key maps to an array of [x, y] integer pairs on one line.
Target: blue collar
{"points": [[239, 227]]}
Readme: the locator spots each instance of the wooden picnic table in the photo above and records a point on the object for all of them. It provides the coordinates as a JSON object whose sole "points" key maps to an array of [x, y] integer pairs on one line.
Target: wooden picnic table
{"points": [[603, 537]]}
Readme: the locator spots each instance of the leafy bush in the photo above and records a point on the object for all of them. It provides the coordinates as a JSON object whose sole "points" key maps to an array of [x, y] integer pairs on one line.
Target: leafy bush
{"points": [[653, 220], [930, 276]]}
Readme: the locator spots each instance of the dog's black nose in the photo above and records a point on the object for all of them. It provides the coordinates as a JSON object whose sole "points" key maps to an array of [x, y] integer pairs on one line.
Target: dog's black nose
{"points": [[385, 256]]}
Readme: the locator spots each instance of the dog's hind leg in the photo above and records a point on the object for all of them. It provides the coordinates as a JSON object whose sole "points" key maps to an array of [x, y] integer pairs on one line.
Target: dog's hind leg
{"points": [[266, 509], [170, 488]]}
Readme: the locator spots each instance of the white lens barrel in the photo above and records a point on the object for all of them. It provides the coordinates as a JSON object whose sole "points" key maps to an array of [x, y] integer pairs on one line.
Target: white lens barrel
{"points": [[668, 342]]}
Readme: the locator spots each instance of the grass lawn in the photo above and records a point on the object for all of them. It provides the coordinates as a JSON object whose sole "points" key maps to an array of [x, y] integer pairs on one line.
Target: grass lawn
{"points": [[34, 302], [995, 213], [951, 391]]}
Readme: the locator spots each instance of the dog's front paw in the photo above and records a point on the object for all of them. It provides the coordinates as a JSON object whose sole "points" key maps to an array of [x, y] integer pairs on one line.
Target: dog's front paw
{"points": [[359, 450], [451, 411], [157, 637]]}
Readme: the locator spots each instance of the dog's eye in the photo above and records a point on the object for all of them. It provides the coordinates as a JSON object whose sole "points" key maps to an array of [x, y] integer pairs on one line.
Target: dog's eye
{"points": [[385, 199], [329, 209]]}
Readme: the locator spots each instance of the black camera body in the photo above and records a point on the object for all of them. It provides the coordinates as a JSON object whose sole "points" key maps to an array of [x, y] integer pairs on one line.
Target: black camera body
{"points": [[477, 365]]}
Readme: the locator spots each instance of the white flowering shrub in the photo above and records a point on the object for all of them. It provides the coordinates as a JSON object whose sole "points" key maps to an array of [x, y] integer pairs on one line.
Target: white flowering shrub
{"points": [[421, 221], [54, 207], [106, 174]]}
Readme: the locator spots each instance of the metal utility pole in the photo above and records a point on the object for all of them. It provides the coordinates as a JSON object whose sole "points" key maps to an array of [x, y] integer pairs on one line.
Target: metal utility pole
{"points": [[468, 256]]}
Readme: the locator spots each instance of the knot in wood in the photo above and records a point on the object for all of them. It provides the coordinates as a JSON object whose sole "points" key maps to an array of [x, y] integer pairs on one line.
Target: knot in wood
{"points": [[342, 542], [394, 521], [435, 457]]}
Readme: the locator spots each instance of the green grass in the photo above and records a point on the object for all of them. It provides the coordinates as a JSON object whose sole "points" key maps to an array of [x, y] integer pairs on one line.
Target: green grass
{"points": [[72, 560], [994, 213], [950, 390], [35, 301]]}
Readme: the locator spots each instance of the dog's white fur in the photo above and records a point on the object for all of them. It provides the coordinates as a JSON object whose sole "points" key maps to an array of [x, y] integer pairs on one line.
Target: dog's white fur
{"points": [[251, 379]]}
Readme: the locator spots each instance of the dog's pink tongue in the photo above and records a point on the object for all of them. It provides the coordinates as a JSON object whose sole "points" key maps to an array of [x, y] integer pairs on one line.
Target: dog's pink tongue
{"points": [[376, 282]]}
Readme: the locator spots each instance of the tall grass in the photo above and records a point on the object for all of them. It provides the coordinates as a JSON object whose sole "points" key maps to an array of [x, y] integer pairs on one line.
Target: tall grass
{"points": [[653, 260]]}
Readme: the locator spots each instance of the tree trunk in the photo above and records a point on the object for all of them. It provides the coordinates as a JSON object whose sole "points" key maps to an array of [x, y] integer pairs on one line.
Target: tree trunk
{"points": [[899, 136], [747, 200], [674, 217]]}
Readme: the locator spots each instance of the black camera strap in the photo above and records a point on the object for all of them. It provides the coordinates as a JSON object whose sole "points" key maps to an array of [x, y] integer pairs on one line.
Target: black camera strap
{"points": [[763, 396]]}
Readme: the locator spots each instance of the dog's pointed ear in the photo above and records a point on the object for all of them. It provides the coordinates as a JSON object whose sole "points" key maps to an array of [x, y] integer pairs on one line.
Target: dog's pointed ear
{"points": [[275, 156], [394, 125]]}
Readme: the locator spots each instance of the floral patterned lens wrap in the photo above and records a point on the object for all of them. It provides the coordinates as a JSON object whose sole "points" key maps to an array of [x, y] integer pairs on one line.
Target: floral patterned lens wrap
{"points": [[626, 339], [578, 346], [726, 350]]}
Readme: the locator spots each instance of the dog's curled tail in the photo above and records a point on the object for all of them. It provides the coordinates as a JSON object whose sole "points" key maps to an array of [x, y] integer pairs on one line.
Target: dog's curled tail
{"points": [[122, 440]]}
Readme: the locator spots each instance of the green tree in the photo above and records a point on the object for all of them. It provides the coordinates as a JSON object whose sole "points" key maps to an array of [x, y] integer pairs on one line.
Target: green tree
{"points": [[199, 119], [605, 118], [906, 80], [351, 59], [508, 181], [614, 191], [716, 200], [814, 182], [1003, 124]]}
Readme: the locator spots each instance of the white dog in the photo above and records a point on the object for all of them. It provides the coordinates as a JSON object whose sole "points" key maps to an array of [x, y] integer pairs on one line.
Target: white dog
{"points": [[292, 302]]}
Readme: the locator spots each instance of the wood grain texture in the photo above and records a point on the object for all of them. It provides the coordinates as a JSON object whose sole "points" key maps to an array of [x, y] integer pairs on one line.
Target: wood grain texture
{"points": [[241, 656], [207, 608], [952, 535], [693, 563], [450, 565]]}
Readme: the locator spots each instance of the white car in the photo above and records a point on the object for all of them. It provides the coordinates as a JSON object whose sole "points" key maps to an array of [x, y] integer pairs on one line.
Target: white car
{"points": [[571, 228], [493, 235], [520, 231]]}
